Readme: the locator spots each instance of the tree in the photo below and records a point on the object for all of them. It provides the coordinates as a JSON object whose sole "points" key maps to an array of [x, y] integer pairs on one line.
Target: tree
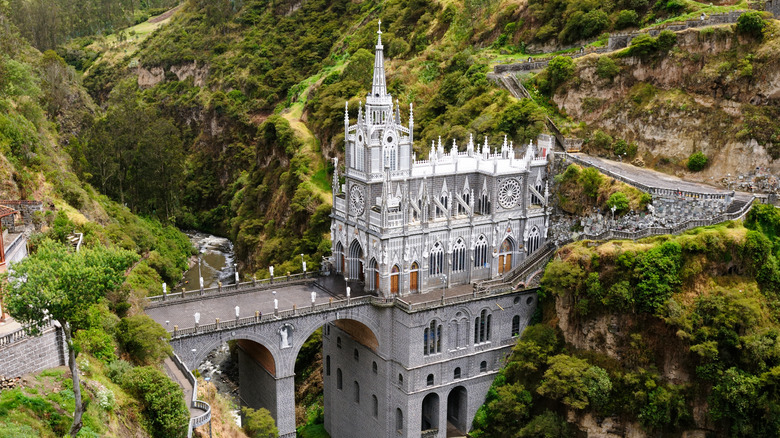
{"points": [[144, 339], [560, 69], [258, 423], [58, 284], [751, 23], [697, 161], [606, 68]]}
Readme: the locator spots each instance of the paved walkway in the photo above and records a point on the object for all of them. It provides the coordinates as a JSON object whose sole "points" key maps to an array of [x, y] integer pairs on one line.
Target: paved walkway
{"points": [[9, 326], [650, 177], [177, 376]]}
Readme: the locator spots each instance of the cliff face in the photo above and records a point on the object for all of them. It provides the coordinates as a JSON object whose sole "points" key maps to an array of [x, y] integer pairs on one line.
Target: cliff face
{"points": [[713, 92]]}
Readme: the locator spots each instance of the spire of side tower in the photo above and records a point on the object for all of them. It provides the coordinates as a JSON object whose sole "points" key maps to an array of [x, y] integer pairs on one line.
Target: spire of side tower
{"points": [[378, 88]]}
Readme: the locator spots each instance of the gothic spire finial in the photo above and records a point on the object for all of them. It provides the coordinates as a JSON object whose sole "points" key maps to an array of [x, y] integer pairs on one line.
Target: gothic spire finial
{"points": [[379, 88]]}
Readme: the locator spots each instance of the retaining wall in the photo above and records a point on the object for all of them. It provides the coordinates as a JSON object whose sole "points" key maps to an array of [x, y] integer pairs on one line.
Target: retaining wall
{"points": [[26, 354]]}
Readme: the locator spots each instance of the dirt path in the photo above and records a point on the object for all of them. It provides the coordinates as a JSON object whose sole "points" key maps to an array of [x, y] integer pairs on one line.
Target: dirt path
{"points": [[165, 15]]}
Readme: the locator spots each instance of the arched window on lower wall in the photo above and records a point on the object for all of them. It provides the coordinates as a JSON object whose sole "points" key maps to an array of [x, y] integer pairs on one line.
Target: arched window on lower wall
{"points": [[375, 406], [516, 325], [338, 378], [399, 419]]}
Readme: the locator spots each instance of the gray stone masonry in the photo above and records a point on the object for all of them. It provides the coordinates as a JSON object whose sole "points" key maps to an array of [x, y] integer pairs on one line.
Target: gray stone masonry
{"points": [[33, 354]]}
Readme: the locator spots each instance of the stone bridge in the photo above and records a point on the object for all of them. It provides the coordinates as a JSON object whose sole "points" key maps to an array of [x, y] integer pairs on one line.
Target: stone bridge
{"points": [[391, 334]]}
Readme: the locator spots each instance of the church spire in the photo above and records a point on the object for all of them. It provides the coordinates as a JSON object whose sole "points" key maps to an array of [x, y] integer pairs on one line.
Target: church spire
{"points": [[378, 88]]}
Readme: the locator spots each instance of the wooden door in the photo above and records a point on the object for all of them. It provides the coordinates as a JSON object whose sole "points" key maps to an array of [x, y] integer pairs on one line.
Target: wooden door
{"points": [[501, 264], [508, 263], [343, 264], [394, 283], [413, 281], [361, 274], [376, 279]]}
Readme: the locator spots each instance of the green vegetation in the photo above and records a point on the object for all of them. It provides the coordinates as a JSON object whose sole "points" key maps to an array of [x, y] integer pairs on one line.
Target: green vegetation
{"points": [[258, 423], [47, 24], [708, 297], [581, 190], [645, 46], [63, 285], [161, 399], [606, 68], [751, 23], [697, 161]]}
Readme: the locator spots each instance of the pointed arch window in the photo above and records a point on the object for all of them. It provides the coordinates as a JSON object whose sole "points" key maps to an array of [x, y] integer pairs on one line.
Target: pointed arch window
{"points": [[459, 256], [359, 157], [533, 240], [535, 200], [436, 262], [391, 158], [340, 262], [516, 325], [483, 203], [444, 199], [481, 253], [482, 327], [432, 339]]}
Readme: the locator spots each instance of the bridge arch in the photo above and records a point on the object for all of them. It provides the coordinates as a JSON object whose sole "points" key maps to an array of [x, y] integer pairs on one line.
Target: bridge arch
{"points": [[212, 344]]}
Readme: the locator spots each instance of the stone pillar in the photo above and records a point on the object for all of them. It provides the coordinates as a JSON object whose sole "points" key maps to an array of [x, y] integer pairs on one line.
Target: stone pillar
{"points": [[285, 406]]}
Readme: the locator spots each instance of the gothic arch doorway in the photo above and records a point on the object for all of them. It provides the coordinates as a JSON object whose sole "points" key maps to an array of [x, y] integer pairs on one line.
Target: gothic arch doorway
{"points": [[414, 278], [395, 276], [456, 409], [430, 412], [505, 255], [355, 261]]}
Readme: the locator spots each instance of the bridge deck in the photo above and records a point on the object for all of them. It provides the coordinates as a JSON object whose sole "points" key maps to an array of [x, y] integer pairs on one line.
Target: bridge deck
{"points": [[648, 177], [223, 307]]}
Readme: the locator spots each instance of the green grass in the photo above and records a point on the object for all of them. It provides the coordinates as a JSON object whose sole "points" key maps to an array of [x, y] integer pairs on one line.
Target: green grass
{"points": [[313, 431], [698, 8], [321, 180]]}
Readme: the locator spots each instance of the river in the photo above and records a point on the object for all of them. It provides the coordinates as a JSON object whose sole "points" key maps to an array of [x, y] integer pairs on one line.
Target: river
{"points": [[216, 264]]}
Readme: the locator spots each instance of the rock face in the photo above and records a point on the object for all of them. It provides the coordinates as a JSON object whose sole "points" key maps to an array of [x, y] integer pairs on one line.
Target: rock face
{"points": [[153, 76], [693, 98]]}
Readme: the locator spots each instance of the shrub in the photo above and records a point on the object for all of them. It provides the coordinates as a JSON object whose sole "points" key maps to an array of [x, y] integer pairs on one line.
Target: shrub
{"points": [[591, 179], [606, 68], [751, 23], [619, 201], [258, 423], [560, 69], [642, 46], [144, 339], [697, 161], [666, 40], [626, 18], [162, 399]]}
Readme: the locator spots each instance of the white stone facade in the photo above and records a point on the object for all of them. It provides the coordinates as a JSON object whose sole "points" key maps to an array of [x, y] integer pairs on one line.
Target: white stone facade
{"points": [[402, 225]]}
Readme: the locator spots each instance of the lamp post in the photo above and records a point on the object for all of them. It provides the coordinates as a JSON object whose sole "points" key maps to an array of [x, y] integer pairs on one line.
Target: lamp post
{"points": [[271, 271], [276, 307], [200, 276], [235, 269], [236, 313], [313, 298], [197, 320]]}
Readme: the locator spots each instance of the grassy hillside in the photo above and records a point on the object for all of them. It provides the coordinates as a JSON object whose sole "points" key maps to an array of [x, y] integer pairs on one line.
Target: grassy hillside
{"points": [[660, 336]]}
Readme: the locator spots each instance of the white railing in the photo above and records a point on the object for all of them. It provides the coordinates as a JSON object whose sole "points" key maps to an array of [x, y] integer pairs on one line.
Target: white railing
{"points": [[203, 418], [231, 289]]}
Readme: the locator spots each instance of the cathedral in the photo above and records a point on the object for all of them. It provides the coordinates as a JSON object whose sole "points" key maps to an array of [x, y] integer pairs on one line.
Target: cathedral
{"points": [[403, 226]]}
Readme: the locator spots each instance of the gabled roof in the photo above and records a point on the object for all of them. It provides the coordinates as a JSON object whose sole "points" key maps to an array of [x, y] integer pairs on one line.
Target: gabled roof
{"points": [[7, 211]]}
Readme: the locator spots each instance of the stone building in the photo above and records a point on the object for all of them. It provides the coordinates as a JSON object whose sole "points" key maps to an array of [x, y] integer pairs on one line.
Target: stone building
{"points": [[402, 225], [405, 227]]}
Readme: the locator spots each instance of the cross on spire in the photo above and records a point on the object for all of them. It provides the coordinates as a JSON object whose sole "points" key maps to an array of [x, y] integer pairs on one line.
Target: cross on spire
{"points": [[380, 28]]}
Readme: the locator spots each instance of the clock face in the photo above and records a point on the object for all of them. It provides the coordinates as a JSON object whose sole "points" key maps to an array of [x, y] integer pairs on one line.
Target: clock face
{"points": [[509, 193], [356, 200]]}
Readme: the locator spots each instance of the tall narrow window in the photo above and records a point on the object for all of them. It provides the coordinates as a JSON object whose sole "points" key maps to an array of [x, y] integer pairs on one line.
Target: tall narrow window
{"points": [[338, 341], [482, 327], [533, 240], [356, 354], [356, 394], [535, 200], [456, 373], [429, 380], [338, 378], [516, 325], [432, 339], [436, 262], [327, 365], [481, 253], [374, 367], [399, 420], [374, 406], [459, 256]]}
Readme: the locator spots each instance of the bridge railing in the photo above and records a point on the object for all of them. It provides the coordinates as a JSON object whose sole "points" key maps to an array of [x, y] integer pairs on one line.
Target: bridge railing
{"points": [[203, 418], [265, 283], [431, 304], [277, 315]]}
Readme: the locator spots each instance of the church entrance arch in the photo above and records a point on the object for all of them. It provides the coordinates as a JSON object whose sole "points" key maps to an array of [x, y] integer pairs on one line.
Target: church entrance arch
{"points": [[505, 255], [456, 409], [355, 262], [430, 412]]}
